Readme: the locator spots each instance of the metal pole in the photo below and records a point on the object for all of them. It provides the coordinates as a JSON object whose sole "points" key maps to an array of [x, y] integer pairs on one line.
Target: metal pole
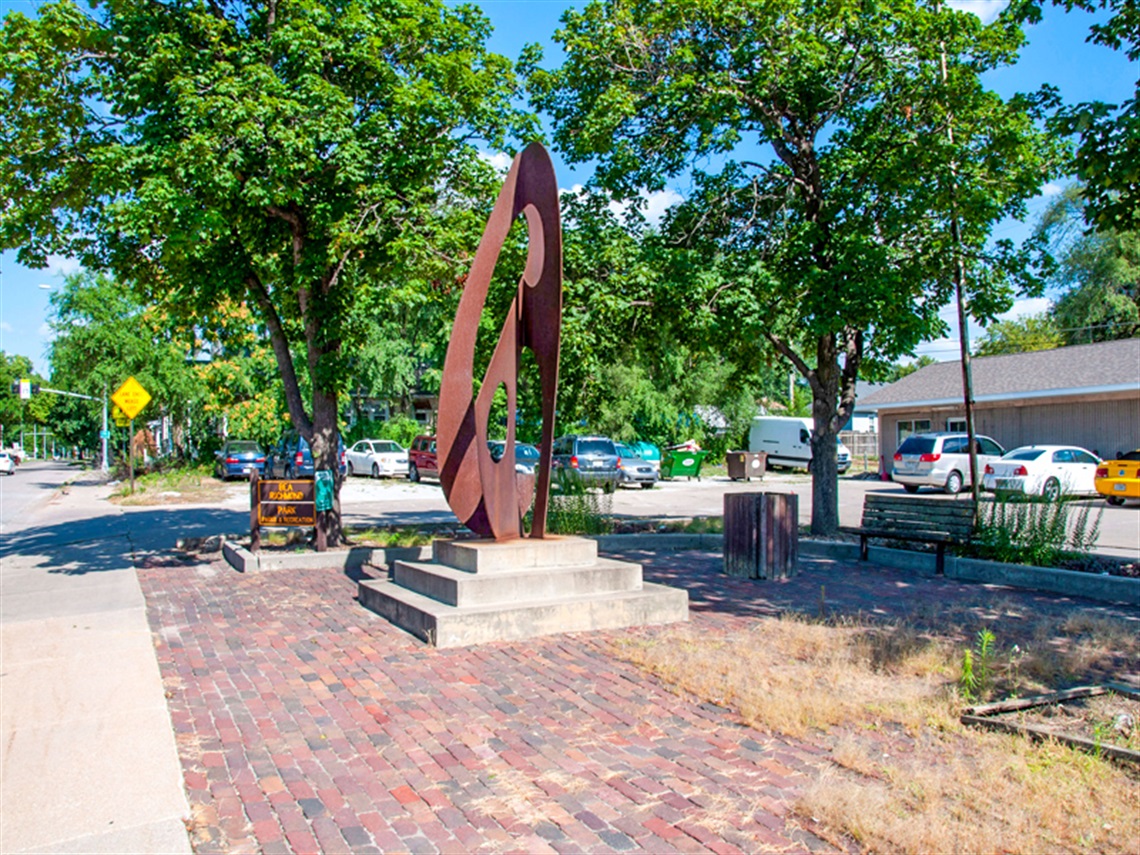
{"points": [[131, 453], [959, 287], [104, 434]]}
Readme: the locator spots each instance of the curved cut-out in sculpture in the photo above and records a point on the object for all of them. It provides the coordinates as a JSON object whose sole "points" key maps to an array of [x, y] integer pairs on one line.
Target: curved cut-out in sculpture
{"points": [[489, 497]]}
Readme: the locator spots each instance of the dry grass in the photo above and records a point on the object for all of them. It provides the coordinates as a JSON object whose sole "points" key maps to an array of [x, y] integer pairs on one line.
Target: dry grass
{"points": [[906, 776]]}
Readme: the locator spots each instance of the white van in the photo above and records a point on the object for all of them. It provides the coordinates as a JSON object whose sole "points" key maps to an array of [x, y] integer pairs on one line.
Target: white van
{"points": [[787, 442]]}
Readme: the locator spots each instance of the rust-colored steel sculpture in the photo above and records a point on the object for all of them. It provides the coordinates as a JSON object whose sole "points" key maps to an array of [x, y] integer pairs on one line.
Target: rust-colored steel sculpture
{"points": [[489, 497]]}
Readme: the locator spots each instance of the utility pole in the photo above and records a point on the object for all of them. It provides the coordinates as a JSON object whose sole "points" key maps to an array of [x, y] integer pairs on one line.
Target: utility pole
{"points": [[959, 287]]}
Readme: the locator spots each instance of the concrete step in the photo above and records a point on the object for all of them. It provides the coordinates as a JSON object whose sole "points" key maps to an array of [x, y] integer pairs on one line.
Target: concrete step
{"points": [[463, 588], [453, 626], [488, 556]]}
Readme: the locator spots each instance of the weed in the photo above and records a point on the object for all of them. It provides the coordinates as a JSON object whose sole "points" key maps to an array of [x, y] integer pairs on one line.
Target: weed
{"points": [[1033, 532], [976, 680]]}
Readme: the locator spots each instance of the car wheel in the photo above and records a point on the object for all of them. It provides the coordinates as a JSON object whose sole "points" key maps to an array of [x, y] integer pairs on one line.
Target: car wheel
{"points": [[1112, 500], [1051, 490], [413, 473], [348, 472], [375, 470], [910, 488], [954, 483]]}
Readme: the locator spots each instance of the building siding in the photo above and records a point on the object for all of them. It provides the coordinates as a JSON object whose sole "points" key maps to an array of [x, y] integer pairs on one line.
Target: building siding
{"points": [[1104, 426]]}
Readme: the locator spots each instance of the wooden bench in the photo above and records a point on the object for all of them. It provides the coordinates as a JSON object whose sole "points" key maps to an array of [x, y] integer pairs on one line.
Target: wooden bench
{"points": [[907, 518]]}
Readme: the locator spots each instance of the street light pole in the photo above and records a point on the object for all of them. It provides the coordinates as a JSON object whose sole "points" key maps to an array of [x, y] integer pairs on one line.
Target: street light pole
{"points": [[104, 433]]}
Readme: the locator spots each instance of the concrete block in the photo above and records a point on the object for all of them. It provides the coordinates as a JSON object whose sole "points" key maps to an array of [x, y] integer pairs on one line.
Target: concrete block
{"points": [[448, 626], [489, 556], [463, 588]]}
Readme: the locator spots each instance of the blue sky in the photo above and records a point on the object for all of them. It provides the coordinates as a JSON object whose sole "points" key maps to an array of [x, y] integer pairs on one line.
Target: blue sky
{"points": [[1056, 54]]}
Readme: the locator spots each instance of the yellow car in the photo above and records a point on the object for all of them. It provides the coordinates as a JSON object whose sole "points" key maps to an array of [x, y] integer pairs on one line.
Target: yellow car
{"points": [[1119, 479]]}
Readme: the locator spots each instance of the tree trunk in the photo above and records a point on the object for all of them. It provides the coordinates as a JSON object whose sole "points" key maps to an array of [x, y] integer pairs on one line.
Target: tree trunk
{"points": [[326, 447], [824, 465]]}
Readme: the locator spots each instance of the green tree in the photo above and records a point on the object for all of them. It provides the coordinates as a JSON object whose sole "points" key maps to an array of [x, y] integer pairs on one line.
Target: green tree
{"points": [[852, 138], [1096, 272], [16, 412], [900, 370], [293, 154], [1107, 157], [1035, 332], [103, 335]]}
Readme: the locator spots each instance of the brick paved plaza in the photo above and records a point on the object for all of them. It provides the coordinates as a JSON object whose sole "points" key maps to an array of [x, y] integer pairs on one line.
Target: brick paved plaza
{"points": [[306, 723]]}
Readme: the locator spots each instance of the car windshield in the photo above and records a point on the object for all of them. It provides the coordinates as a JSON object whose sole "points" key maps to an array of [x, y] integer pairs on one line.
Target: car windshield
{"points": [[917, 445], [526, 452], [238, 447], [624, 450], [1024, 454], [596, 446], [386, 446]]}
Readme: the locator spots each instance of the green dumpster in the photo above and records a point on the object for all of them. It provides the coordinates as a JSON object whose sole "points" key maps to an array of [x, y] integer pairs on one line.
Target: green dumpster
{"points": [[679, 462]]}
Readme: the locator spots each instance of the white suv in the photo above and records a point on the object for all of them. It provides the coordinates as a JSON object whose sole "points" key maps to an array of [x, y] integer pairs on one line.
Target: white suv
{"points": [[941, 460]]}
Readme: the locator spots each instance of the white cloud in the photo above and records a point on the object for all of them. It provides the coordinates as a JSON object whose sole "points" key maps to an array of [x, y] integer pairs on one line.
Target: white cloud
{"points": [[1052, 188], [58, 265], [652, 205], [1025, 308], [987, 10], [500, 160], [46, 332], [5, 326]]}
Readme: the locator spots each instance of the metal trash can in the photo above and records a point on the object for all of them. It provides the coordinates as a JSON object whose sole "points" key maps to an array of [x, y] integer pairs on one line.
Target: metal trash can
{"points": [[746, 465]]}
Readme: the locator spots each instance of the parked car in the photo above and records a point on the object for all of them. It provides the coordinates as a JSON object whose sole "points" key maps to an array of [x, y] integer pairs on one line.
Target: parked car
{"points": [[1119, 479], [237, 458], [376, 457], [648, 452], [526, 455], [422, 460], [292, 458], [634, 470], [1043, 470], [941, 460], [7, 464], [594, 459]]}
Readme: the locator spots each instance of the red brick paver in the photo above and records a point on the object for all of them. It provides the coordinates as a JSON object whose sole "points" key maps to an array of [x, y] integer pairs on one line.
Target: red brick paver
{"points": [[306, 723]]}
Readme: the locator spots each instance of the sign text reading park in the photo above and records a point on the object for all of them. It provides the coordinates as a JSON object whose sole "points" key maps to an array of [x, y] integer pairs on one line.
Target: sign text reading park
{"points": [[131, 397], [490, 497]]}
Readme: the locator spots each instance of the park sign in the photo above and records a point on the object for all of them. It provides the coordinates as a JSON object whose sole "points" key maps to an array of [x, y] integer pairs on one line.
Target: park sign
{"points": [[131, 397], [285, 503]]}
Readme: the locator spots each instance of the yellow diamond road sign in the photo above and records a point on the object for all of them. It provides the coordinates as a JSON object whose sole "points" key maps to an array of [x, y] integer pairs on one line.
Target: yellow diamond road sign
{"points": [[131, 397]]}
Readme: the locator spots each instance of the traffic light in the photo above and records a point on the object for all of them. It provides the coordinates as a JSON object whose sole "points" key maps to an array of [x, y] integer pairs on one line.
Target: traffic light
{"points": [[25, 389]]}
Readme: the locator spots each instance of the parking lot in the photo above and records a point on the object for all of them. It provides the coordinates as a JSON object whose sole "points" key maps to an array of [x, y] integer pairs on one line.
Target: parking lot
{"points": [[395, 501]]}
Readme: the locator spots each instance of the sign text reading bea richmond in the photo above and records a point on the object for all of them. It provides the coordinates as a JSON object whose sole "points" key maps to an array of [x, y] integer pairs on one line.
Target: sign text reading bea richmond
{"points": [[286, 491]]}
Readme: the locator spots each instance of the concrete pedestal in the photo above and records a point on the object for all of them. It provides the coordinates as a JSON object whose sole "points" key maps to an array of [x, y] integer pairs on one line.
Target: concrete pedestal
{"points": [[474, 591]]}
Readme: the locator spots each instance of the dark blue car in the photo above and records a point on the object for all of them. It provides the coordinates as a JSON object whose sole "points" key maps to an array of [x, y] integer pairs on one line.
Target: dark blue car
{"points": [[292, 458], [238, 457]]}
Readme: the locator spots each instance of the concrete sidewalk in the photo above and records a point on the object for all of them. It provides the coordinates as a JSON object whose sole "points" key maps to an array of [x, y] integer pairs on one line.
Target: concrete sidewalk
{"points": [[87, 759]]}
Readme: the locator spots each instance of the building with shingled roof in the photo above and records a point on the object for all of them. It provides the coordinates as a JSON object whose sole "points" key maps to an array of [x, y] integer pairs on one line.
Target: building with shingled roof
{"points": [[1086, 395]]}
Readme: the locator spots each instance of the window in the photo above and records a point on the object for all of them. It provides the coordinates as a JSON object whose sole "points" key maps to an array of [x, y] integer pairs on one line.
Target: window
{"points": [[912, 426], [805, 437], [958, 425], [1080, 456], [954, 445], [988, 446], [1063, 456]]}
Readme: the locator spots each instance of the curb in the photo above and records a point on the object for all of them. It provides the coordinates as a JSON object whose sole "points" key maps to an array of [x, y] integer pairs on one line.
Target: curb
{"points": [[244, 561]]}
